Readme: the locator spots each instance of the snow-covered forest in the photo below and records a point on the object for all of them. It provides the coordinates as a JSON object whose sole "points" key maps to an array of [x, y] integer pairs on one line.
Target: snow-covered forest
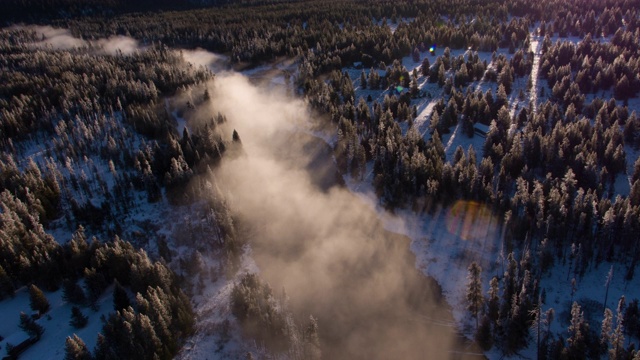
{"points": [[319, 179]]}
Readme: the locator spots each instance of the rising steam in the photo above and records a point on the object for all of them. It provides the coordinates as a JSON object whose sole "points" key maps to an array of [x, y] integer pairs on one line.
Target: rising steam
{"points": [[63, 39], [324, 246], [59, 39], [321, 243], [113, 44], [201, 57]]}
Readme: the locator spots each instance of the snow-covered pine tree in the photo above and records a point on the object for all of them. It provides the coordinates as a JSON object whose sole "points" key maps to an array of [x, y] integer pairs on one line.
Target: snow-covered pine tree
{"points": [[37, 300], [576, 345], [606, 329], [475, 299], [312, 340], [75, 349], [494, 299], [617, 351]]}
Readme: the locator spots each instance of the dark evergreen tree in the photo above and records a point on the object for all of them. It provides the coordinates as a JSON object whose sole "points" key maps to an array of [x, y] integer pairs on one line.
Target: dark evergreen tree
{"points": [[483, 336], [72, 292], [120, 297], [29, 325], [37, 300], [425, 67], [6, 285], [493, 304], [475, 298], [95, 282], [78, 319], [632, 320], [416, 55]]}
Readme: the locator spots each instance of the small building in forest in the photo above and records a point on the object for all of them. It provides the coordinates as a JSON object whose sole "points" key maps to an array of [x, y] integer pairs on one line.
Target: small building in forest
{"points": [[481, 129], [17, 343]]}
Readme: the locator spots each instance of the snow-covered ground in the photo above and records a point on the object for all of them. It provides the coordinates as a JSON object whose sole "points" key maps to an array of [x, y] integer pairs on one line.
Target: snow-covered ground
{"points": [[141, 223], [218, 335], [55, 323]]}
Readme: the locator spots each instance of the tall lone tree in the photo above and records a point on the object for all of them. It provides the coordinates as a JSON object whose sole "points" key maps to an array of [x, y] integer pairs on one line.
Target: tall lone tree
{"points": [[37, 300], [475, 299], [577, 346], [607, 328], [617, 350]]}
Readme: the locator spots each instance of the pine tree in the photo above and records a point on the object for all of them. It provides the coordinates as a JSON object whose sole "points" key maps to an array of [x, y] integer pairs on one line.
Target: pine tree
{"points": [[120, 297], [549, 315], [6, 285], [606, 329], [416, 55], [606, 284], [434, 124], [236, 137], [76, 349], [363, 80], [483, 335], [30, 326], [95, 283], [576, 345], [617, 351], [632, 319], [536, 325], [441, 75], [425, 67], [78, 319], [475, 299], [37, 300], [72, 292], [312, 340], [494, 299]]}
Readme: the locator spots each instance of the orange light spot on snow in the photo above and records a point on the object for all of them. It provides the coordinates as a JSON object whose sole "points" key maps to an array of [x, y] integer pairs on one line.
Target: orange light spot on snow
{"points": [[469, 220]]}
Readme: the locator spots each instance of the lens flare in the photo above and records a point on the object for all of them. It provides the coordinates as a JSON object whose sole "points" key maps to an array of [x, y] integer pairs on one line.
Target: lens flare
{"points": [[470, 220]]}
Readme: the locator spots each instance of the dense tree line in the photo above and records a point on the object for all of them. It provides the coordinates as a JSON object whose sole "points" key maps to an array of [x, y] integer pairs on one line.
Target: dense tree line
{"points": [[104, 135], [268, 319], [75, 107], [40, 85], [159, 319], [337, 33], [549, 170], [590, 67], [552, 179]]}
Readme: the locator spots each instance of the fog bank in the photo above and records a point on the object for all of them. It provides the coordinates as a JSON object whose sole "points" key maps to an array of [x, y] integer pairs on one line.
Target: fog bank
{"points": [[322, 244]]}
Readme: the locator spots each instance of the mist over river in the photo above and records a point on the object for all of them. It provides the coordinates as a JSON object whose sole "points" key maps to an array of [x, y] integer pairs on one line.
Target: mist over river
{"points": [[321, 243]]}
